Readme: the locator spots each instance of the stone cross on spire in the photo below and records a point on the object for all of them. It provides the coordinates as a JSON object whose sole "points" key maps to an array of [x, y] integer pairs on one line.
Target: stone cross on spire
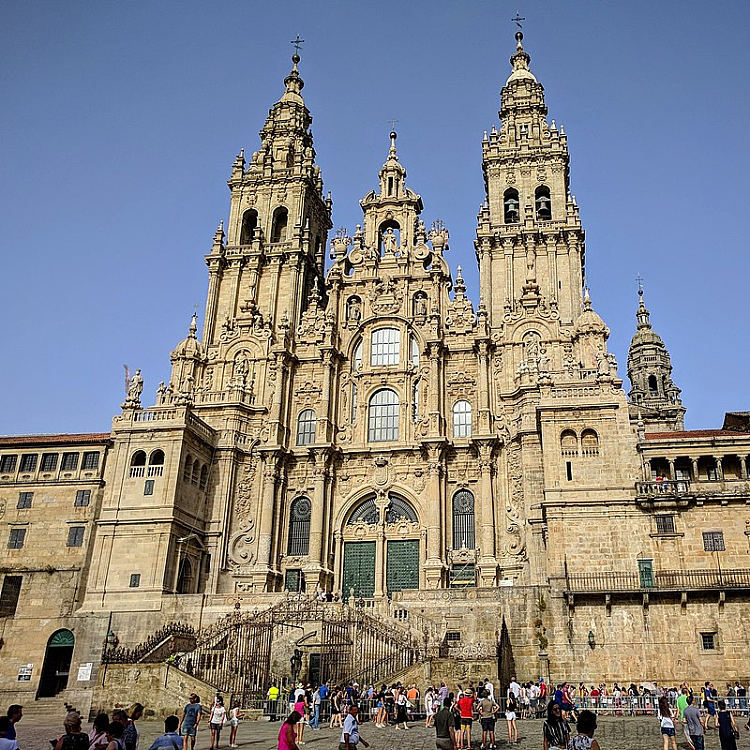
{"points": [[297, 44]]}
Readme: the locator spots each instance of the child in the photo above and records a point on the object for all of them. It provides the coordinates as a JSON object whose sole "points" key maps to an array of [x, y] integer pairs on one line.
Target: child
{"points": [[586, 726]]}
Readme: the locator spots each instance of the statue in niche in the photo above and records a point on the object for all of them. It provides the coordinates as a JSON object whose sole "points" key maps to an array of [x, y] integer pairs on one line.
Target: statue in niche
{"points": [[603, 365], [353, 311], [389, 241], [420, 306]]}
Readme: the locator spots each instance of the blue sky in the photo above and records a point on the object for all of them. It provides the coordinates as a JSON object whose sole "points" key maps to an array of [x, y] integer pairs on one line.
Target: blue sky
{"points": [[120, 122]]}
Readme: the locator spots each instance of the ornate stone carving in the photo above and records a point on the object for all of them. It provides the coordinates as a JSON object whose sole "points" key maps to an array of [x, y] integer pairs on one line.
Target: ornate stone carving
{"points": [[515, 542]]}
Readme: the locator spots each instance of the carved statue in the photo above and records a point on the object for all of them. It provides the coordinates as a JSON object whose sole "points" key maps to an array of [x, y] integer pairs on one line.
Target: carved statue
{"points": [[389, 241], [353, 312], [135, 387], [420, 306], [295, 664], [160, 392], [603, 365]]}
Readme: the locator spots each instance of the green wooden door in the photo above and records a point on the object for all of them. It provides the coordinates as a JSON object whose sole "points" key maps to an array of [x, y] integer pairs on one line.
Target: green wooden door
{"points": [[359, 568], [402, 571]]}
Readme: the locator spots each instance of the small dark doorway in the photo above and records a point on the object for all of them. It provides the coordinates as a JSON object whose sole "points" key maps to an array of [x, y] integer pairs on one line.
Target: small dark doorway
{"points": [[313, 669], [56, 669]]}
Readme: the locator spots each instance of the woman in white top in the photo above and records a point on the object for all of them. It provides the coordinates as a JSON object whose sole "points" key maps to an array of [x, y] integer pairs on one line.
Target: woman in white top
{"points": [[429, 706], [234, 721], [216, 722], [666, 719]]}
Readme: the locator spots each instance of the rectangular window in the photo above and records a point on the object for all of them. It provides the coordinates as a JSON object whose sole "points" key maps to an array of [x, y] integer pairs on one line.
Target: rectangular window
{"points": [[713, 541], [681, 472], [69, 462], [28, 462], [24, 499], [8, 464], [664, 524], [90, 460], [385, 347], [708, 641], [463, 576], [135, 580], [83, 498], [712, 474], [646, 573], [569, 471], [16, 538], [294, 581], [453, 635], [148, 487], [9, 595], [49, 461], [75, 536]]}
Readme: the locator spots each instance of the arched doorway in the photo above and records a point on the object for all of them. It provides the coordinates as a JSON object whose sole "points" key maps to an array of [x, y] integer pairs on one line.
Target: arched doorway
{"points": [[56, 669]]}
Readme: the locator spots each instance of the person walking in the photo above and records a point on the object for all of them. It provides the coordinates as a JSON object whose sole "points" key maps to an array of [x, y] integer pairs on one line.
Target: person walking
{"points": [[728, 732], [234, 721], [288, 733], [189, 721], [666, 720], [300, 707], [336, 708], [381, 717], [350, 737], [511, 710], [691, 716], [445, 732], [216, 722], [555, 731], [316, 701], [402, 717]]}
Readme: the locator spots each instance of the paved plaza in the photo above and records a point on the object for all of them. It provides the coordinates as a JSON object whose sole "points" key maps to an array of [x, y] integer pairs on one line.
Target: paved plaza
{"points": [[614, 733]]}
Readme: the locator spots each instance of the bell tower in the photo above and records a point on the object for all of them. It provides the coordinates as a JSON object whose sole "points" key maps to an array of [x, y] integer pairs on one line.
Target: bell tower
{"points": [[278, 224], [653, 396], [530, 243]]}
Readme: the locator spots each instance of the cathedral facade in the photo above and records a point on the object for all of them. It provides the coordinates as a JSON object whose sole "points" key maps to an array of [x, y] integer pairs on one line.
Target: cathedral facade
{"points": [[358, 429]]}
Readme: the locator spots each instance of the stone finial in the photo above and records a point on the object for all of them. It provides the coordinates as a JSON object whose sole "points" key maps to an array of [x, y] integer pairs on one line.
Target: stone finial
{"points": [[643, 315]]}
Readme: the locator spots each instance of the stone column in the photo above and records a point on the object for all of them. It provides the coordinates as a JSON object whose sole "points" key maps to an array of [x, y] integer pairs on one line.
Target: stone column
{"points": [[328, 375], [317, 515], [487, 561], [743, 467], [435, 519], [212, 301], [434, 393], [483, 406], [672, 476], [694, 464], [265, 525], [719, 467]]}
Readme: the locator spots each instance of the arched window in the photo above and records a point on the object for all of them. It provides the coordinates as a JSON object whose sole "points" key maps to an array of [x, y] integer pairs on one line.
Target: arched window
{"points": [[187, 471], [156, 458], [462, 419], [385, 347], [278, 229], [399, 509], [653, 384], [249, 225], [299, 527], [306, 423], [195, 475], [383, 416], [463, 520], [357, 359], [543, 203], [569, 443], [589, 443], [366, 512], [414, 353], [138, 464], [204, 477], [510, 206]]}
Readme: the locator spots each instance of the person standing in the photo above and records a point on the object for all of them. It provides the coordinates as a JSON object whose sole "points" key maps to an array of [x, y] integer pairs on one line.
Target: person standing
{"points": [[350, 737], [5, 743], [429, 706], [131, 734], [445, 732], [466, 707], [511, 711], [692, 718], [74, 738], [272, 696], [234, 721], [170, 740], [555, 731], [727, 728], [15, 714], [288, 734], [98, 734], [315, 718], [666, 721], [487, 716], [402, 717], [300, 707], [189, 722], [586, 726], [216, 722]]}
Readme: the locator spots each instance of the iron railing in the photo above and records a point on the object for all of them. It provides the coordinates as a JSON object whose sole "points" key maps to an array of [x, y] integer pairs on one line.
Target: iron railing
{"points": [[668, 487], [659, 580]]}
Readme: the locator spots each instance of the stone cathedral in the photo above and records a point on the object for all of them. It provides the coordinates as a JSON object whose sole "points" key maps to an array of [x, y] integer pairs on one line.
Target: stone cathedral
{"points": [[351, 428]]}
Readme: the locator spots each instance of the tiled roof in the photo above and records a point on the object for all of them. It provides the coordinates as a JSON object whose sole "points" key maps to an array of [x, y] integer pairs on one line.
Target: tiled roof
{"points": [[690, 434], [78, 438]]}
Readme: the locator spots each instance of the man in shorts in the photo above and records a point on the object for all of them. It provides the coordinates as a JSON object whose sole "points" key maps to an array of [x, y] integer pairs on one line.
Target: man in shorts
{"points": [[191, 718], [487, 712]]}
